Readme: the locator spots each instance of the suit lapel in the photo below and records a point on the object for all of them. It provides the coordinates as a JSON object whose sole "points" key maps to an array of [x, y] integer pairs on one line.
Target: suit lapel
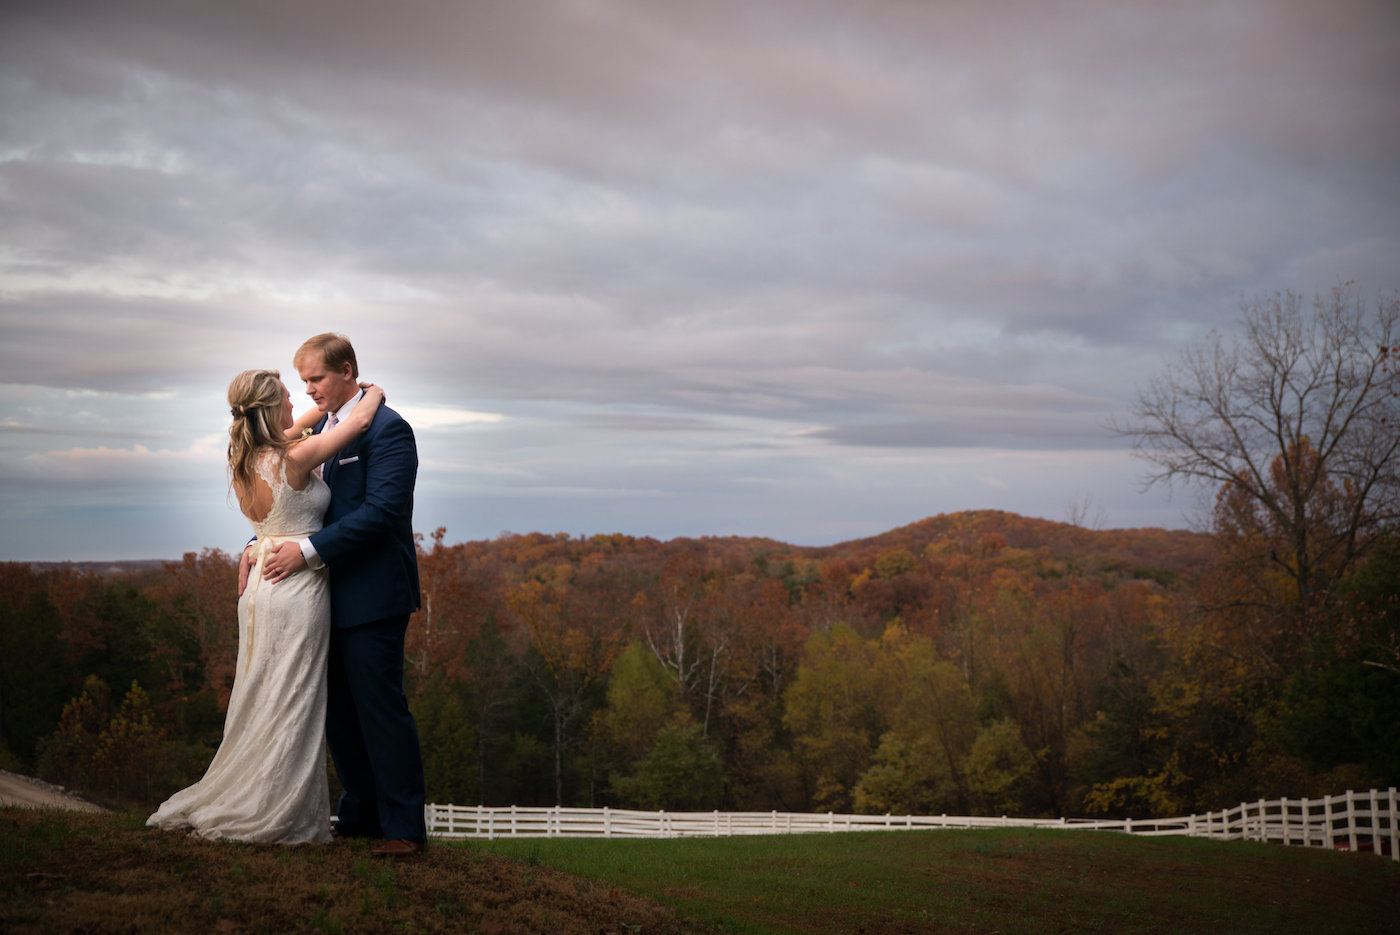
{"points": [[333, 462], [327, 465]]}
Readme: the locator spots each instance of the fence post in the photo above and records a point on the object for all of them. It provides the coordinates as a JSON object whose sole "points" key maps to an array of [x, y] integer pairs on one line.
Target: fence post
{"points": [[1394, 803], [1351, 820], [1375, 824]]}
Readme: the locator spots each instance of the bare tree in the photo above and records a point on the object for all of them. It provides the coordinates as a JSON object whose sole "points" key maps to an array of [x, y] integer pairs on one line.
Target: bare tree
{"points": [[1083, 512], [1295, 419]]}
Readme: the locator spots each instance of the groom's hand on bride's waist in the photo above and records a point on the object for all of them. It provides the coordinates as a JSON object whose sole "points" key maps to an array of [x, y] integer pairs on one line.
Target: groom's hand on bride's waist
{"points": [[282, 561], [245, 565]]}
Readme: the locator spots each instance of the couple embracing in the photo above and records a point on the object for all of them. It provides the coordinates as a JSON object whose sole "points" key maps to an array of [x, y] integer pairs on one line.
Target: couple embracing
{"points": [[325, 593]]}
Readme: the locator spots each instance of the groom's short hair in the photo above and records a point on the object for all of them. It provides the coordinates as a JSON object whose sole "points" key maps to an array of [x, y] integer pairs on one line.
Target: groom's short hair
{"points": [[334, 349]]}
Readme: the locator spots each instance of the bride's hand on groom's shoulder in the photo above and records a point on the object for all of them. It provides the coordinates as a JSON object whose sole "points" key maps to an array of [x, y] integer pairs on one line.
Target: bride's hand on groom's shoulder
{"points": [[374, 398]]}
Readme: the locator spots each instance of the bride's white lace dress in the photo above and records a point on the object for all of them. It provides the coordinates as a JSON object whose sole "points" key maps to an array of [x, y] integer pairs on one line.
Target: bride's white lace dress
{"points": [[267, 782]]}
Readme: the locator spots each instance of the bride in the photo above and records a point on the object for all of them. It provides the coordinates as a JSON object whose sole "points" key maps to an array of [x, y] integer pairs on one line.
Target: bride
{"points": [[267, 782]]}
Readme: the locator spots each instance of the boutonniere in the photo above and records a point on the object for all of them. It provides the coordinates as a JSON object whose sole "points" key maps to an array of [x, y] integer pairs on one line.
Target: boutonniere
{"points": [[307, 432]]}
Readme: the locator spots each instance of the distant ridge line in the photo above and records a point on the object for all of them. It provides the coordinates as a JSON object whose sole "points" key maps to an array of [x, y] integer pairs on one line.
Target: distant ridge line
{"points": [[121, 567], [966, 527]]}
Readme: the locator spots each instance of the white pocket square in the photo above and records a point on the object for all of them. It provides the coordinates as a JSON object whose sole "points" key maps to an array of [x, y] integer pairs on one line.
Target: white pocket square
{"points": [[348, 460]]}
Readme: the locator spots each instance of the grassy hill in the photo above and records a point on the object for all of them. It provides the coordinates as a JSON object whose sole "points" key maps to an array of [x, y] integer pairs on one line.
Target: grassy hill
{"points": [[71, 872]]}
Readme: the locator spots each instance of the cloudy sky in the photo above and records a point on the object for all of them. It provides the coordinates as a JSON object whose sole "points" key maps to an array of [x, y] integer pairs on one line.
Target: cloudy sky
{"points": [[798, 268]]}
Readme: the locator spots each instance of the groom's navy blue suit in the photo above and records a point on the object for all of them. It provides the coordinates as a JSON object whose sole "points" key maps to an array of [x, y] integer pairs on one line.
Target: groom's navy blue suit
{"points": [[367, 544]]}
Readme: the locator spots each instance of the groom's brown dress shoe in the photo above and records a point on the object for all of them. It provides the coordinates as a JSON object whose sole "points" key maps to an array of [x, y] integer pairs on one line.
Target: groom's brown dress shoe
{"points": [[397, 848]]}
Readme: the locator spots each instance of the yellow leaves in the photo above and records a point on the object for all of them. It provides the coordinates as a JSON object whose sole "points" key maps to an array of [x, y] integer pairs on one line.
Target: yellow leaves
{"points": [[1177, 699], [997, 767], [570, 635], [1008, 585], [121, 756], [852, 697], [1156, 795], [895, 562]]}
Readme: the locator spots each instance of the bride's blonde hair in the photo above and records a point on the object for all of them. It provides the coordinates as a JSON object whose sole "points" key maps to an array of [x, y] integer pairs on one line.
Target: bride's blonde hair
{"points": [[255, 402]]}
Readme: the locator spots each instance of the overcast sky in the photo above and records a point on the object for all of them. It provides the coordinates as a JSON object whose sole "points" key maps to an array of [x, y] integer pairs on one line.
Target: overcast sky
{"points": [[800, 268]]}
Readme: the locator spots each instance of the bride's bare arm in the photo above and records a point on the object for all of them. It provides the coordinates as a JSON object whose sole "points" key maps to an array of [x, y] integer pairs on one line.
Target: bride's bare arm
{"points": [[309, 418], [314, 449], [306, 420]]}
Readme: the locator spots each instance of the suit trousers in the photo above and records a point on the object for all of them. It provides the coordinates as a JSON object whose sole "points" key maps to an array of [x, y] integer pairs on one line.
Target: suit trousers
{"points": [[371, 733]]}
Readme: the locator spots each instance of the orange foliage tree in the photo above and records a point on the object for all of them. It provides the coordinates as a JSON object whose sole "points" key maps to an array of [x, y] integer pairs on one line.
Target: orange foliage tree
{"points": [[575, 634]]}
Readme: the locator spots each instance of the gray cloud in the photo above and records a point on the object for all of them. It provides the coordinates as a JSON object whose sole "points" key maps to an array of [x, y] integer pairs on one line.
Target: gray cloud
{"points": [[823, 266]]}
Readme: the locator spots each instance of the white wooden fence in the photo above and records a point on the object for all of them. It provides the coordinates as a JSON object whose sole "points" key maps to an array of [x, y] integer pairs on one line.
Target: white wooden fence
{"points": [[1356, 821]]}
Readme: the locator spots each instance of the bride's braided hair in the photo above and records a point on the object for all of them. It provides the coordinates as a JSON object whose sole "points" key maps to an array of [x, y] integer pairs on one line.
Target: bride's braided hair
{"points": [[255, 402]]}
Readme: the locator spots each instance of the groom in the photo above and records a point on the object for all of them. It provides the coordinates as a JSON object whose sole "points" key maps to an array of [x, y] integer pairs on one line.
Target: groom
{"points": [[367, 543]]}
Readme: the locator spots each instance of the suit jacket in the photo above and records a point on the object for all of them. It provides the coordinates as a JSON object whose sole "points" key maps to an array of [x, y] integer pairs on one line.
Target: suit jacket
{"points": [[367, 542]]}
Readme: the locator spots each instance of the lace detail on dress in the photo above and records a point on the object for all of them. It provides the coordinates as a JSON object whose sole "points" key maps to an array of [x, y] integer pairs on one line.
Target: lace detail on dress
{"points": [[294, 512]]}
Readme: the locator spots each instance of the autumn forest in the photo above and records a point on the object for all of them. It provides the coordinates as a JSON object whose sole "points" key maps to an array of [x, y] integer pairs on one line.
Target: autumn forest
{"points": [[974, 663]]}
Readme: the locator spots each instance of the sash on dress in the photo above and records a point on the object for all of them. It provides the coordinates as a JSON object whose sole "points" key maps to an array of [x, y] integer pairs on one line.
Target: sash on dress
{"points": [[261, 547]]}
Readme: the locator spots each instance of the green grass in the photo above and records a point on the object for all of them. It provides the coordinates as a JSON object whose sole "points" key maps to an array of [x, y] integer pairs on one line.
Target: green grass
{"points": [[1008, 881], [76, 872]]}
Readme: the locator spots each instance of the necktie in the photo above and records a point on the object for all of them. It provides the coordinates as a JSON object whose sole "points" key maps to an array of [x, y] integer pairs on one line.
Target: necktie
{"points": [[331, 421]]}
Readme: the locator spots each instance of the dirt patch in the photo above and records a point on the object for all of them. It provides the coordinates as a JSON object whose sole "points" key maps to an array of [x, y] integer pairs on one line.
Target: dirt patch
{"points": [[25, 790]]}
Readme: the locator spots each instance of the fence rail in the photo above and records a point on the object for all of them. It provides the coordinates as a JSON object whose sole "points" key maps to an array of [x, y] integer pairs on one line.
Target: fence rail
{"points": [[1355, 821]]}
